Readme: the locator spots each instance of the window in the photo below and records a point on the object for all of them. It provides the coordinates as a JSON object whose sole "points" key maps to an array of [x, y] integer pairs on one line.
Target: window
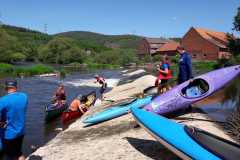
{"points": [[223, 49], [205, 55]]}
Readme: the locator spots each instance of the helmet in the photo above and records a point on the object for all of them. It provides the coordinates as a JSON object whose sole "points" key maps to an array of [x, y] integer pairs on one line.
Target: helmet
{"points": [[11, 83], [96, 75], [79, 97]]}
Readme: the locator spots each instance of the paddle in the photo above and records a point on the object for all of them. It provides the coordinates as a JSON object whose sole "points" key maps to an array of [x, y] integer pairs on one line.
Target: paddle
{"points": [[197, 119]]}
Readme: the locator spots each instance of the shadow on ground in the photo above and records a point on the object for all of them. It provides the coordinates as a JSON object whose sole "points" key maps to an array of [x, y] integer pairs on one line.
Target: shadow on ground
{"points": [[33, 157], [92, 133], [151, 149]]}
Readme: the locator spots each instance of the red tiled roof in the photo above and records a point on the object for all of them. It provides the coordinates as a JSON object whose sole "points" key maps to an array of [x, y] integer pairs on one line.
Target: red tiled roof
{"points": [[218, 38], [157, 40], [170, 46]]}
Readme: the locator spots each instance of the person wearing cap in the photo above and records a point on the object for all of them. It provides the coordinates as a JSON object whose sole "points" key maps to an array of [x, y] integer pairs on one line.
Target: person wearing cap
{"points": [[185, 66], [13, 108], [77, 105], [102, 82]]}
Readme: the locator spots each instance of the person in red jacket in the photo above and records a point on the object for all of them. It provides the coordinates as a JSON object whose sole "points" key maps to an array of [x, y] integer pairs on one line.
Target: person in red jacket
{"points": [[102, 82], [164, 74]]}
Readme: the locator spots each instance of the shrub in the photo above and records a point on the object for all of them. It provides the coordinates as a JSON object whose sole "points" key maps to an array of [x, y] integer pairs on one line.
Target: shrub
{"points": [[16, 57], [6, 68], [33, 70]]}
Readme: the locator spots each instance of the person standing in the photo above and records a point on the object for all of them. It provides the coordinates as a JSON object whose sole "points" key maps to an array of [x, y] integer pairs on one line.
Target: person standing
{"points": [[103, 84], [13, 108], [164, 74], [185, 66]]}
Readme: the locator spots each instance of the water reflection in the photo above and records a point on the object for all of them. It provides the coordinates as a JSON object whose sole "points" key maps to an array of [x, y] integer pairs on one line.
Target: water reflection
{"points": [[233, 120], [224, 106]]}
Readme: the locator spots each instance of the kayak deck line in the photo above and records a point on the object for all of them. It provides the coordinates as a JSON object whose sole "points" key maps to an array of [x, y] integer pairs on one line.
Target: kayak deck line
{"points": [[164, 143], [197, 119]]}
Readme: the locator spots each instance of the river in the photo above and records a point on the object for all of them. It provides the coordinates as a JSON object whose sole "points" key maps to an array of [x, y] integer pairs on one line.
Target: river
{"points": [[40, 91]]}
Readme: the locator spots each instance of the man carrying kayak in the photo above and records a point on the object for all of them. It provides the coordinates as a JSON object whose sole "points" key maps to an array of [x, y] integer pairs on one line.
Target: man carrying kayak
{"points": [[103, 84], [13, 108]]}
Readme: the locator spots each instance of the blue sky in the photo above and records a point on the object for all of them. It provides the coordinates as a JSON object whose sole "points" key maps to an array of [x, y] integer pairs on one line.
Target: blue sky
{"points": [[152, 18]]}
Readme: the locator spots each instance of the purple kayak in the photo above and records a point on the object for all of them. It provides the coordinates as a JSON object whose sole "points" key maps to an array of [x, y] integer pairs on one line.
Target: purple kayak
{"points": [[181, 96]]}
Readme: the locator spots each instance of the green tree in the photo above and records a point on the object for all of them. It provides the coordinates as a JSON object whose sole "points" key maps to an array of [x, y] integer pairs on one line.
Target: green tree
{"points": [[128, 56], [60, 51], [157, 58], [16, 57], [7, 46], [234, 43], [236, 22]]}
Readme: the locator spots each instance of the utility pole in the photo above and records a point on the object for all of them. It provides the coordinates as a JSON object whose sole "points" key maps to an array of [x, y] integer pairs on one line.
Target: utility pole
{"points": [[45, 28]]}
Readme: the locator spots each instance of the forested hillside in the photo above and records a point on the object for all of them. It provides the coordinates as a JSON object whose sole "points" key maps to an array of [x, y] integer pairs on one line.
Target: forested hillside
{"points": [[114, 41], [21, 44]]}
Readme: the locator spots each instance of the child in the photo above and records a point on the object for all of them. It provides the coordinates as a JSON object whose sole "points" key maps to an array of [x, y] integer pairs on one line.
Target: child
{"points": [[164, 74]]}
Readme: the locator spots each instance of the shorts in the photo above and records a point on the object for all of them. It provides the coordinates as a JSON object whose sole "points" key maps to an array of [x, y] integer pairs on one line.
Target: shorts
{"points": [[103, 88], [164, 81], [13, 147]]}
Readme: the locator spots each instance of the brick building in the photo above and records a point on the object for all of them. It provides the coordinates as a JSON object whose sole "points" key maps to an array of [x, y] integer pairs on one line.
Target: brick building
{"points": [[169, 49], [150, 45], [205, 44]]}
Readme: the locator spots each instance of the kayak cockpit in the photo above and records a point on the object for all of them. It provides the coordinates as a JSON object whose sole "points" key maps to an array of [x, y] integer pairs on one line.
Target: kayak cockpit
{"points": [[196, 88], [220, 147]]}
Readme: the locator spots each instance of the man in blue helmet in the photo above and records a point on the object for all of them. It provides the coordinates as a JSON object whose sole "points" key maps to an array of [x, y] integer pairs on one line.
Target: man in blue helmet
{"points": [[13, 108]]}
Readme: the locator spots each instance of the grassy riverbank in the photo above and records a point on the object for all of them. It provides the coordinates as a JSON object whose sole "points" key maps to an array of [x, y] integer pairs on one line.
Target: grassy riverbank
{"points": [[199, 67], [12, 70], [89, 66]]}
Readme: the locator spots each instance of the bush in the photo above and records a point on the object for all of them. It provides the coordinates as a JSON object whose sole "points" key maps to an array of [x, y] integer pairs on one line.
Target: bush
{"points": [[157, 58], [102, 66], [237, 58], [33, 70], [203, 66], [6, 68], [175, 59], [17, 57], [223, 62], [75, 64]]}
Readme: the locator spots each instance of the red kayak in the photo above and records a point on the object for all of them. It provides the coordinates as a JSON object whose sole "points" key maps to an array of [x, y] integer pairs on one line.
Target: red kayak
{"points": [[68, 116]]}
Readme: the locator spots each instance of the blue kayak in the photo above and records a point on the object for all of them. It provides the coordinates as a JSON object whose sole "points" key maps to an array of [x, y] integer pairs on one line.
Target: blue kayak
{"points": [[116, 111], [186, 142]]}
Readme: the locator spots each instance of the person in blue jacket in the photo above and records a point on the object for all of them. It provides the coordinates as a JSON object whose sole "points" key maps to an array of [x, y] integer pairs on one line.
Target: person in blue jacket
{"points": [[13, 108], [185, 66]]}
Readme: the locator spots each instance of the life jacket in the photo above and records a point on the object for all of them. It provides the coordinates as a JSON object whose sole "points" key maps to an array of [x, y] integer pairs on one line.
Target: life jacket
{"points": [[60, 94], [74, 106], [101, 80], [163, 75]]}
